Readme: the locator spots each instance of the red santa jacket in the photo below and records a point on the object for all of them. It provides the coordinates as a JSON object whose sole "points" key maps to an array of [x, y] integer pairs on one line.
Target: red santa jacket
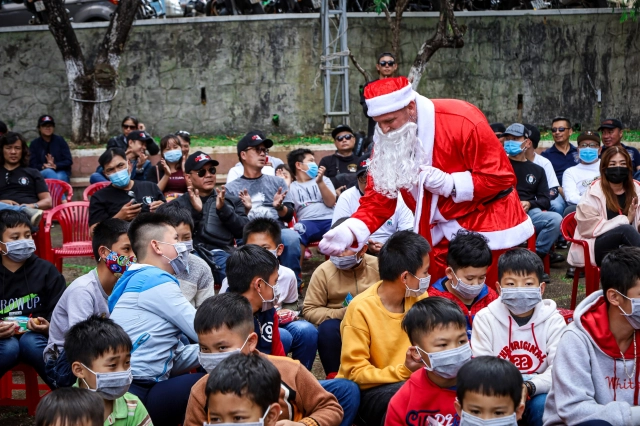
{"points": [[418, 399], [458, 140]]}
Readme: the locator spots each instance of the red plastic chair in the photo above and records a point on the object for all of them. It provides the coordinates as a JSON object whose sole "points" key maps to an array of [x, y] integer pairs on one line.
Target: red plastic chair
{"points": [[57, 189], [93, 188], [591, 273], [31, 387], [531, 245], [76, 240]]}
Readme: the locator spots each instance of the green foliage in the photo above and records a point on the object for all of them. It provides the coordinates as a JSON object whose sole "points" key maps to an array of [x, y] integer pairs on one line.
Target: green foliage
{"points": [[380, 5], [629, 136], [630, 13]]}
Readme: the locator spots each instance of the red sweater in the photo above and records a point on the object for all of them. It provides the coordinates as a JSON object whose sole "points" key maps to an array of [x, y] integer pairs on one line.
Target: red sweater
{"points": [[418, 399]]}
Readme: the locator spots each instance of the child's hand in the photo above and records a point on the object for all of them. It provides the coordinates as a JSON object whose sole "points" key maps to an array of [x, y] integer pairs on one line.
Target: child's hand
{"points": [[410, 361], [39, 325], [288, 423]]}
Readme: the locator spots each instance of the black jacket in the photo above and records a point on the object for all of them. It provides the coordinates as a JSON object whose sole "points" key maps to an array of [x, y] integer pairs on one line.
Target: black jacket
{"points": [[33, 290], [119, 141], [213, 228], [57, 147]]}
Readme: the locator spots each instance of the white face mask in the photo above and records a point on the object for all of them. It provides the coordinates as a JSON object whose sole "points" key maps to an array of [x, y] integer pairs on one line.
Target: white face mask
{"points": [[423, 285], [447, 363], [268, 304], [209, 361], [468, 420], [634, 316], [520, 299], [111, 386], [467, 291]]}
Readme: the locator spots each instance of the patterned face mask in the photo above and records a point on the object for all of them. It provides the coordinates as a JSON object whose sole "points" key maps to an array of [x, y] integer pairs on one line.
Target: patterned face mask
{"points": [[118, 264]]}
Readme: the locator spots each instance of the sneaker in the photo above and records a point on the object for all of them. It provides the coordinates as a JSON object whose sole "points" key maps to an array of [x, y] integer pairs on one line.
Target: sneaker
{"points": [[571, 272], [546, 278], [562, 245], [34, 214], [555, 257]]}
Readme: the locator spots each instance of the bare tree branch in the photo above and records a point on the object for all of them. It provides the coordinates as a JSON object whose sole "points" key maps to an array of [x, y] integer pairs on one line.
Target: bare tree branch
{"points": [[365, 73]]}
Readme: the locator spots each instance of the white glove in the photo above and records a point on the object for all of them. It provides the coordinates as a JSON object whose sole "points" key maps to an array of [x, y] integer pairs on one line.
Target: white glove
{"points": [[340, 238], [436, 181]]}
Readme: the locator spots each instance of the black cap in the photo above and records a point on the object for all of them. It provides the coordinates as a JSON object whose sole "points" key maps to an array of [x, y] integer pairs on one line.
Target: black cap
{"points": [[534, 134], [610, 123], [363, 165], [589, 136], [498, 127], [253, 138], [197, 160], [46, 119], [339, 129], [141, 135]]}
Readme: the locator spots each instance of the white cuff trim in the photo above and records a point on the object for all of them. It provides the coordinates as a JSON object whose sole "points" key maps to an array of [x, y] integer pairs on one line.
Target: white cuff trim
{"points": [[464, 186], [359, 229]]}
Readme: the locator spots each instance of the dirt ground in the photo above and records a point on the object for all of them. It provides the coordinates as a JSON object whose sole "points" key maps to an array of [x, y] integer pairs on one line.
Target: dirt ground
{"points": [[559, 290]]}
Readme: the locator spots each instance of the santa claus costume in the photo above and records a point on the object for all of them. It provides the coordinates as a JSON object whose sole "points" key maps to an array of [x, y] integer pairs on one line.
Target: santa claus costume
{"points": [[461, 177]]}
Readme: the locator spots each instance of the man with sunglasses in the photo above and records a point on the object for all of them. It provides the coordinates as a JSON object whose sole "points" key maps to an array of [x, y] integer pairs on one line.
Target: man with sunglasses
{"points": [[218, 216], [612, 134], [341, 166], [386, 67]]}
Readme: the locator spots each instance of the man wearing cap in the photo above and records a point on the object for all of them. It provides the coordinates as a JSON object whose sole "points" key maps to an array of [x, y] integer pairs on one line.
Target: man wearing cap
{"points": [[341, 165], [269, 194], [50, 154], [612, 134], [134, 145], [578, 178], [535, 158], [348, 204], [124, 198], [270, 165], [533, 191], [218, 216], [447, 163], [498, 129]]}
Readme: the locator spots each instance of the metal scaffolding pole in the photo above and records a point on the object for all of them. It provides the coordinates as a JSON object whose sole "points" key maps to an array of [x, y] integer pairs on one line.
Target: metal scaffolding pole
{"points": [[335, 62]]}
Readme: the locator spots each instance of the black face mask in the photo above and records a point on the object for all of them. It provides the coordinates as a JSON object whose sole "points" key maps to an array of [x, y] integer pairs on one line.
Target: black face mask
{"points": [[616, 174]]}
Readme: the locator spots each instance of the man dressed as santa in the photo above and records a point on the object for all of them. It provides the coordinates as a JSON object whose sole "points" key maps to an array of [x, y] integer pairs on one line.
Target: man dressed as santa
{"points": [[450, 168]]}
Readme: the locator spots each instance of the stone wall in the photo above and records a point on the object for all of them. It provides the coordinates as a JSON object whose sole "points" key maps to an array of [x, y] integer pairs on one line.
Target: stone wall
{"points": [[254, 67]]}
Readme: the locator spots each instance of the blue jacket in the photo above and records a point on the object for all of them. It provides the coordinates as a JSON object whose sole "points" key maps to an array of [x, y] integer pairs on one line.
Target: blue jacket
{"points": [[58, 148], [147, 302]]}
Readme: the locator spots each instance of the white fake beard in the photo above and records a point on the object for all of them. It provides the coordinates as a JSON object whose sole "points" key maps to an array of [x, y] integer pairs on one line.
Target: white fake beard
{"points": [[396, 160]]}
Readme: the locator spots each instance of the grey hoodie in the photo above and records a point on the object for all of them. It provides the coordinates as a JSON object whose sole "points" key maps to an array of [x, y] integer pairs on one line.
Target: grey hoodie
{"points": [[588, 382]]}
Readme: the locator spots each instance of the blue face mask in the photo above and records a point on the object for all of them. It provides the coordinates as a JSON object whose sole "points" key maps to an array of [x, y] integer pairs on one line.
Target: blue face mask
{"points": [[588, 155], [173, 156], [121, 178], [513, 148], [312, 170]]}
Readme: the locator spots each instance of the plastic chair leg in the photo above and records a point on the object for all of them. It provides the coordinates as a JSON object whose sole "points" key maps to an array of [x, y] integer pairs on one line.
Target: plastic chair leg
{"points": [[547, 265], [32, 390], [5, 385], [574, 290], [58, 263]]}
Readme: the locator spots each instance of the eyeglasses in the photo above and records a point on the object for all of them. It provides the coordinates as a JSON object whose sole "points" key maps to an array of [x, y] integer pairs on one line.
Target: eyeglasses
{"points": [[344, 137], [260, 151], [202, 172], [389, 63], [558, 129], [127, 127], [591, 145]]}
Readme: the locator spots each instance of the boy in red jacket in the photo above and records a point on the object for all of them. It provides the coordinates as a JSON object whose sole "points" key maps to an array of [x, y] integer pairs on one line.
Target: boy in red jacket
{"points": [[437, 329], [468, 259]]}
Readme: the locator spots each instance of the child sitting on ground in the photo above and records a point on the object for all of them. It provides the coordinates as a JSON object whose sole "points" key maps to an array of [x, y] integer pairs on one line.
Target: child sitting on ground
{"points": [[245, 389], [468, 259], [489, 388], [224, 324], [31, 287], [332, 287], [196, 283], [70, 407], [253, 272], [437, 330], [521, 327], [376, 354], [87, 295], [99, 352]]}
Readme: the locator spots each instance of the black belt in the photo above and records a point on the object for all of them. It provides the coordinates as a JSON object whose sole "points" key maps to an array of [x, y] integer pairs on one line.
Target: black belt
{"points": [[500, 195]]}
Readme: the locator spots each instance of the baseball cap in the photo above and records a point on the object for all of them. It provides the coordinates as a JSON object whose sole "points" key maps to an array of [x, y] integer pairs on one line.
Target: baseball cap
{"points": [[534, 134], [46, 119], [197, 160], [363, 165], [498, 127], [589, 136], [253, 138], [610, 123], [517, 129], [141, 135], [339, 129]]}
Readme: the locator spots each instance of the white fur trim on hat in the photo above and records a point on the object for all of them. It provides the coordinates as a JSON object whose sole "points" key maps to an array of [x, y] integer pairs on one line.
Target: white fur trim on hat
{"points": [[390, 102]]}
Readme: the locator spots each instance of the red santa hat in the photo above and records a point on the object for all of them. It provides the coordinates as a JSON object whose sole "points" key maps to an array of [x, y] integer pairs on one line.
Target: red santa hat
{"points": [[388, 95]]}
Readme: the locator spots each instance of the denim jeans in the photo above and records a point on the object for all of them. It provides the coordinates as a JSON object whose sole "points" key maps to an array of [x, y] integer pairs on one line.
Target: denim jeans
{"points": [[534, 409], [55, 174], [329, 345], [348, 395], [59, 371], [5, 206], [290, 256], [558, 205], [547, 226], [97, 177], [301, 339], [27, 348]]}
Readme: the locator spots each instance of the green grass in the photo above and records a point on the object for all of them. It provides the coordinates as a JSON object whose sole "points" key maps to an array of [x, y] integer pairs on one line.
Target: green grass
{"points": [[83, 269], [629, 136]]}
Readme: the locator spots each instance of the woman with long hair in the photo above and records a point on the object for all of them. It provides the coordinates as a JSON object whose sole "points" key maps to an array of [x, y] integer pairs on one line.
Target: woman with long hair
{"points": [[168, 173], [607, 215]]}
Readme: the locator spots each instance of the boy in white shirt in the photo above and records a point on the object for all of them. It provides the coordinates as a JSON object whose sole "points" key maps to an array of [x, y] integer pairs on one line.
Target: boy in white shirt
{"points": [[577, 179]]}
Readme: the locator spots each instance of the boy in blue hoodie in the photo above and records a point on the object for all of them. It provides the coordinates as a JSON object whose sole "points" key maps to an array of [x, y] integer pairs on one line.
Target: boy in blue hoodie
{"points": [[147, 303]]}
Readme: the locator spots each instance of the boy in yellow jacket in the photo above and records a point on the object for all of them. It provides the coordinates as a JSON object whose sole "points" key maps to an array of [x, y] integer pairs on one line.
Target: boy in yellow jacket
{"points": [[376, 352]]}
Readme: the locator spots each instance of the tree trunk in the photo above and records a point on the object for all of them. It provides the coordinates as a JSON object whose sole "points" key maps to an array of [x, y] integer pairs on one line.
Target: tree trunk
{"points": [[91, 89]]}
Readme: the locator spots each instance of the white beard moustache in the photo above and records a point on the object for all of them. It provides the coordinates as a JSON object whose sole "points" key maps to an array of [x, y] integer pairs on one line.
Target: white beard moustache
{"points": [[396, 161]]}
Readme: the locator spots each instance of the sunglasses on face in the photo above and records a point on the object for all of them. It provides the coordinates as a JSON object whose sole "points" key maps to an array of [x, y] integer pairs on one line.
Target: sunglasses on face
{"points": [[202, 172], [127, 127], [183, 134], [389, 63], [558, 129], [344, 137], [259, 150]]}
